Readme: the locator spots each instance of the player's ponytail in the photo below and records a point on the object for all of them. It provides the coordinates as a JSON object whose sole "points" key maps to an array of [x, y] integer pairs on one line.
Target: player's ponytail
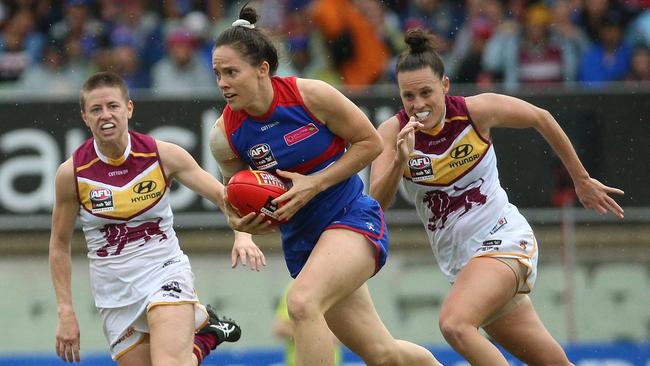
{"points": [[250, 41], [421, 52]]}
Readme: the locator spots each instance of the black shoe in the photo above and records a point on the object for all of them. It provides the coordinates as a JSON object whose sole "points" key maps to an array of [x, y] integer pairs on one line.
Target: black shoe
{"points": [[225, 329]]}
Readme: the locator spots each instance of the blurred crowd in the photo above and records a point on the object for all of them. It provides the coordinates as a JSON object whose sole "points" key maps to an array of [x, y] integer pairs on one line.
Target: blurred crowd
{"points": [[165, 46]]}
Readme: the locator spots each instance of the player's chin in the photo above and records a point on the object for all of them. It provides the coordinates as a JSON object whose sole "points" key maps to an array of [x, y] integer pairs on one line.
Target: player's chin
{"points": [[234, 104]]}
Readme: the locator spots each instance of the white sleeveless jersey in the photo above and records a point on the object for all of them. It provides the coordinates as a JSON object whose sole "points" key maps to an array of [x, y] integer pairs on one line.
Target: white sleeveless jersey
{"points": [[453, 180], [127, 221]]}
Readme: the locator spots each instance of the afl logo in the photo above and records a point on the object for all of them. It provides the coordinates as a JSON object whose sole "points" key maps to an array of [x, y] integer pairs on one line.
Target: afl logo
{"points": [[101, 194], [144, 187], [461, 151], [262, 156], [101, 199], [419, 162], [259, 151], [420, 168]]}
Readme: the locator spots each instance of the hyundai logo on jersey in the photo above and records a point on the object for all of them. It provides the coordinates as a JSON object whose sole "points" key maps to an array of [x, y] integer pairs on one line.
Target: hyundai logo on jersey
{"points": [[144, 187], [461, 151]]}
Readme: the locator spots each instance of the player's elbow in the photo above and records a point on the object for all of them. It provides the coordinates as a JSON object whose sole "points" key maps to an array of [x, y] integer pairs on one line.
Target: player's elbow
{"points": [[543, 118], [376, 145]]}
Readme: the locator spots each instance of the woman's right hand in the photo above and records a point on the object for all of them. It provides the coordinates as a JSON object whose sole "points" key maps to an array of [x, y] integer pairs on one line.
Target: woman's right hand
{"points": [[68, 337], [406, 140]]}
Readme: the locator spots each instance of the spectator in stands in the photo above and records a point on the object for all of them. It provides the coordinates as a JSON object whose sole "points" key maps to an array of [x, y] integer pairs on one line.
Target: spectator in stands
{"points": [[640, 66], [52, 76], [173, 13], [486, 14], [590, 17], [608, 59], [303, 64], [77, 63], [442, 17], [533, 54], [564, 31], [20, 47], [388, 26], [4, 14], [78, 21], [145, 30], [470, 69], [124, 60], [357, 50], [215, 10], [181, 70], [199, 27], [639, 29], [308, 56]]}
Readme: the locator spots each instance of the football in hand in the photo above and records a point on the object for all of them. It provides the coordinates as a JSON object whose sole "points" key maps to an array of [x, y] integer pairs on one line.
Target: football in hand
{"points": [[253, 190]]}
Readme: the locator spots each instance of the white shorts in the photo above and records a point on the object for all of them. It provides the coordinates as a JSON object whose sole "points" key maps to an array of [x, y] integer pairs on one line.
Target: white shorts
{"points": [[126, 327], [512, 237]]}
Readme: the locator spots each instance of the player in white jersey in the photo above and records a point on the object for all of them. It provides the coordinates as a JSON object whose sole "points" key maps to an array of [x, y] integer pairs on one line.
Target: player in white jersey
{"points": [[118, 183], [439, 147]]}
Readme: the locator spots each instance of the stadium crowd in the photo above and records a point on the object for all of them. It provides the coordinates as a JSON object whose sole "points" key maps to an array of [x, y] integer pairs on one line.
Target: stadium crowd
{"points": [[52, 46]]}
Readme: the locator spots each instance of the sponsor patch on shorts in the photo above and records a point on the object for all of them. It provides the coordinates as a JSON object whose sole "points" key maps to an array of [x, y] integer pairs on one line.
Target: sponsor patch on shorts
{"points": [[500, 223]]}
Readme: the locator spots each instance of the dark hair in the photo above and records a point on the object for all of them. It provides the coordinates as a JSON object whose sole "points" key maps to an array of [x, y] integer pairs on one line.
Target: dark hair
{"points": [[253, 44], [103, 79], [421, 53]]}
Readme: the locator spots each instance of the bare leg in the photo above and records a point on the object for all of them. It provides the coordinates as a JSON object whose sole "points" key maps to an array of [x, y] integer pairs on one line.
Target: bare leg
{"points": [[338, 267], [137, 356], [522, 333], [484, 286], [172, 335], [341, 262], [141, 356], [357, 324]]}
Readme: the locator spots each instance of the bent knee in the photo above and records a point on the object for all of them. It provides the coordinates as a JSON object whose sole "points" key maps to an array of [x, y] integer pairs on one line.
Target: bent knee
{"points": [[455, 330], [301, 307]]}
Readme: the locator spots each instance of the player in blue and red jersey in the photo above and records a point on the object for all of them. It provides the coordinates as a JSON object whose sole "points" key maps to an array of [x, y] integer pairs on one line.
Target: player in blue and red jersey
{"points": [[335, 236]]}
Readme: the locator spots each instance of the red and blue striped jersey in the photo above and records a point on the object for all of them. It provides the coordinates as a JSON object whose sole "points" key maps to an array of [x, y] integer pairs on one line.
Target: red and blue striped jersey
{"points": [[289, 137]]}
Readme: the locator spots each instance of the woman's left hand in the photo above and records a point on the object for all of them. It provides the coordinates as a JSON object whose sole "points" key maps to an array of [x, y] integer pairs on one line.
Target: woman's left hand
{"points": [[243, 250], [595, 195], [303, 189]]}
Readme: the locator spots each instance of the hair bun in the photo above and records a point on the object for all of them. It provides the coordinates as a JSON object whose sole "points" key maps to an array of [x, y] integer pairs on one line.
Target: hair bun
{"points": [[418, 41], [248, 13]]}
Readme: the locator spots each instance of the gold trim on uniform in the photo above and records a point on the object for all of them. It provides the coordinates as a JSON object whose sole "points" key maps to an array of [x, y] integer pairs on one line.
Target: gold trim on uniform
{"points": [[446, 168], [127, 199]]}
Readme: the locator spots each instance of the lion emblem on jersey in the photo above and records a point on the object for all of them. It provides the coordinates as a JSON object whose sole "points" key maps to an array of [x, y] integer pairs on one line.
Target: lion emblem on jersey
{"points": [[442, 205]]}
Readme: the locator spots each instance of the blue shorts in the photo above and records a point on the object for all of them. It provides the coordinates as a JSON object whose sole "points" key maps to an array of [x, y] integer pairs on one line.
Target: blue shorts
{"points": [[363, 215]]}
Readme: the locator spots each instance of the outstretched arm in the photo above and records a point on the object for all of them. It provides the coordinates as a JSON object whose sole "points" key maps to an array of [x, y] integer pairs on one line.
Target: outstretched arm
{"points": [[180, 165], [495, 110], [64, 215]]}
